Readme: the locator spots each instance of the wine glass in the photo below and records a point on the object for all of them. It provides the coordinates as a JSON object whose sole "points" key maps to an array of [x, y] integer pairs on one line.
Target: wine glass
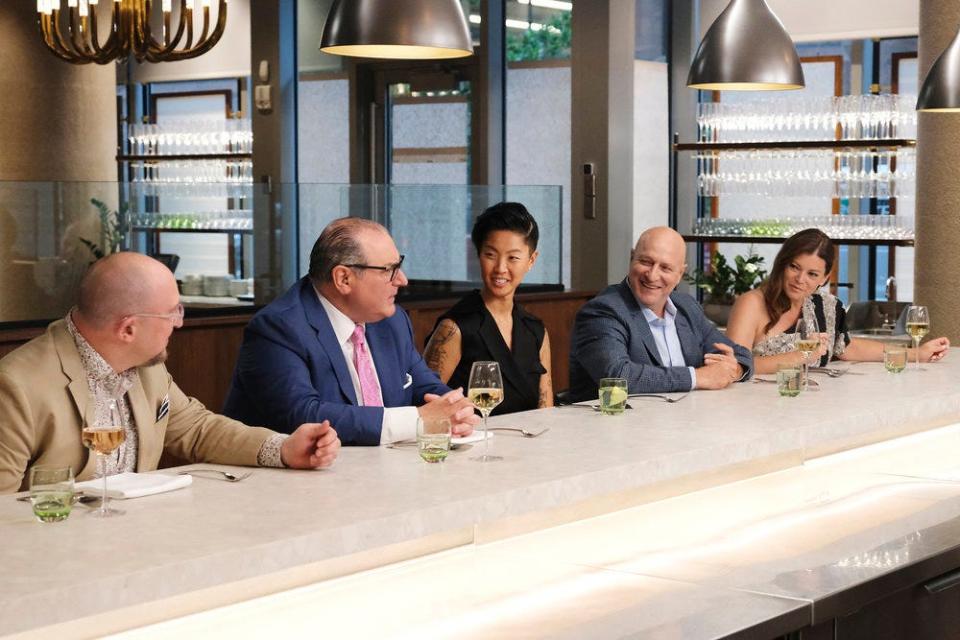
{"points": [[485, 391], [918, 324], [103, 435], [808, 342]]}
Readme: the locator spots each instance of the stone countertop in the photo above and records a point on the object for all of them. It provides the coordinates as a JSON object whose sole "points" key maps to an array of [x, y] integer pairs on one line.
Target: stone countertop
{"points": [[757, 558], [376, 498]]}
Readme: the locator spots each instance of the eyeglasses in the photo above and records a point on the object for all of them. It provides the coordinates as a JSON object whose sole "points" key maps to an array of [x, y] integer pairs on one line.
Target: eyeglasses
{"points": [[176, 317], [392, 269]]}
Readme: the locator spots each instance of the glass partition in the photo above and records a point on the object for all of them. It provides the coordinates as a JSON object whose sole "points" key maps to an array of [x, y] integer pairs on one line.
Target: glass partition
{"points": [[224, 249], [431, 225]]}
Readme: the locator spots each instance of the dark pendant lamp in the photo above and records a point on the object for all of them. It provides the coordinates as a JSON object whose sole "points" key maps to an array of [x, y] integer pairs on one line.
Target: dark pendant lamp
{"points": [[746, 49], [406, 29], [941, 88]]}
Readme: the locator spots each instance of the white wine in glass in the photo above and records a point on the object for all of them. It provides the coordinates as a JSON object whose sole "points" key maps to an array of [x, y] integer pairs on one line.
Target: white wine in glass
{"points": [[103, 436], [918, 325], [485, 391], [808, 343]]}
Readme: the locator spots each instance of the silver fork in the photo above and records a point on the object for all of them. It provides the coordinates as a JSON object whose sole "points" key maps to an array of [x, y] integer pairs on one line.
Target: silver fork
{"points": [[229, 477], [523, 432], [661, 396]]}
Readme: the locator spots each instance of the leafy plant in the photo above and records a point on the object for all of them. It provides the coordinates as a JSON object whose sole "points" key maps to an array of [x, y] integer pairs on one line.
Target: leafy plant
{"points": [[722, 282], [114, 226], [552, 41]]}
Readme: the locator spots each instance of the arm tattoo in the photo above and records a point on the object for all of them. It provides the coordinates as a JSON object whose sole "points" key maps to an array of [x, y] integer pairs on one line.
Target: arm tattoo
{"points": [[436, 353]]}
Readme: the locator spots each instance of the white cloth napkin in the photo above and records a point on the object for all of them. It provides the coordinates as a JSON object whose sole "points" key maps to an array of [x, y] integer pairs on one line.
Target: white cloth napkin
{"points": [[134, 485], [476, 436]]}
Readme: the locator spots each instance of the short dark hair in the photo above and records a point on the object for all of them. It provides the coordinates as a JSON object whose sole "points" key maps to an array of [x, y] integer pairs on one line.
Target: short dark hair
{"points": [[338, 244], [505, 216]]}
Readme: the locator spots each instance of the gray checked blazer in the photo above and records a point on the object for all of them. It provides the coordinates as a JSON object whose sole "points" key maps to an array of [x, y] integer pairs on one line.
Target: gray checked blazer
{"points": [[611, 339]]}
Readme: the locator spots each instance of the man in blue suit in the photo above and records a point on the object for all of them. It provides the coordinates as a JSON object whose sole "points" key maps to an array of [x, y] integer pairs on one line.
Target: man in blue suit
{"points": [[644, 331], [335, 347]]}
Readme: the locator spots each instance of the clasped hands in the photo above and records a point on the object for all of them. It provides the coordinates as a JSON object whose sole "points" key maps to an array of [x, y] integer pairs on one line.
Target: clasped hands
{"points": [[719, 370], [453, 406]]}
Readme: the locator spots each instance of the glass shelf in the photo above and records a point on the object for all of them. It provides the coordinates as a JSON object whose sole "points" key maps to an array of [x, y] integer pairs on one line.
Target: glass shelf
{"points": [[185, 156], [184, 230], [780, 239], [796, 144]]}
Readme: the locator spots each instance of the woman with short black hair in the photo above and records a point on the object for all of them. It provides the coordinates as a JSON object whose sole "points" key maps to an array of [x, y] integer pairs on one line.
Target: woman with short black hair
{"points": [[488, 324]]}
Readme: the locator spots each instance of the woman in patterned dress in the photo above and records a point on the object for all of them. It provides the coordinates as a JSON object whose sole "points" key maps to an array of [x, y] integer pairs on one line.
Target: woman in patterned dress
{"points": [[764, 319]]}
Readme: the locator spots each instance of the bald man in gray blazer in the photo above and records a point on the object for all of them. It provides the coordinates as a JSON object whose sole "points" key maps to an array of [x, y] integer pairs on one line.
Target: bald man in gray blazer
{"points": [[642, 330]]}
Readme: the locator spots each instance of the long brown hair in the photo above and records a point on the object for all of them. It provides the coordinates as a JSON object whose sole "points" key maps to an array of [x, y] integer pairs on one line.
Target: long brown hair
{"points": [[808, 241]]}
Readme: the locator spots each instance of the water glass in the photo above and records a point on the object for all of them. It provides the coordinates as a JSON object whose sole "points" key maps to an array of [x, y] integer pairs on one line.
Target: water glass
{"points": [[613, 396], [51, 493], [433, 438], [894, 357], [789, 380]]}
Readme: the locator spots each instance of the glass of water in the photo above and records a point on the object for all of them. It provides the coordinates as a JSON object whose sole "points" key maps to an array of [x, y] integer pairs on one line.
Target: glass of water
{"points": [[433, 438], [894, 357], [789, 380], [51, 493], [613, 395]]}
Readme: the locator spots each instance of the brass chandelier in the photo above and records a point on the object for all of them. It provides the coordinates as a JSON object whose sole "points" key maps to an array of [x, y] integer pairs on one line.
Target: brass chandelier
{"points": [[70, 29]]}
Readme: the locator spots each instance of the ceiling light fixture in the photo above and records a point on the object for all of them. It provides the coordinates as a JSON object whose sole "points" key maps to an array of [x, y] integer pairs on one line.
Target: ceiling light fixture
{"points": [[941, 88], [402, 29], [746, 49], [70, 29]]}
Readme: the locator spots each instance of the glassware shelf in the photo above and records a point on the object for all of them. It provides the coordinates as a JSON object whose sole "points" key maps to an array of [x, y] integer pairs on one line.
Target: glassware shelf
{"points": [[187, 230], [796, 144], [185, 156], [779, 240]]}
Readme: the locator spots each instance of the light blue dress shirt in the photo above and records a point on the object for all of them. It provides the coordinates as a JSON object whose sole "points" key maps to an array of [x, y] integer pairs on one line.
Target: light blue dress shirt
{"points": [[664, 332]]}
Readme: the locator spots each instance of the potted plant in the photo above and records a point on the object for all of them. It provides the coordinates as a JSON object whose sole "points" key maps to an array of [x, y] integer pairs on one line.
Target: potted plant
{"points": [[114, 226], [722, 283]]}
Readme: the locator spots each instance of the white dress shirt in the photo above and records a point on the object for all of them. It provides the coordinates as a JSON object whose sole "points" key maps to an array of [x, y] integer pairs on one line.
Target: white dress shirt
{"points": [[399, 423]]}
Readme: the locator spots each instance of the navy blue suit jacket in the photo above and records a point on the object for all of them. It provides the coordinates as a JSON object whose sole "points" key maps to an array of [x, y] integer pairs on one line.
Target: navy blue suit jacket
{"points": [[291, 370], [612, 339]]}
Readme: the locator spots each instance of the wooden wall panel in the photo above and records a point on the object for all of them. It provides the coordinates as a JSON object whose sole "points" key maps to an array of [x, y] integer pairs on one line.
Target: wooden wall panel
{"points": [[202, 354]]}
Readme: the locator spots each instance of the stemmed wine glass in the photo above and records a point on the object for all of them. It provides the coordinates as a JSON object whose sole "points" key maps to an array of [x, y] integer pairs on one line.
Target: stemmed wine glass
{"points": [[103, 435], [485, 391], [918, 324], [808, 343]]}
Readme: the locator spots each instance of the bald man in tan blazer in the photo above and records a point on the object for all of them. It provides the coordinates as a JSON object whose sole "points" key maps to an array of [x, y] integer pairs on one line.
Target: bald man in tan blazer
{"points": [[129, 306]]}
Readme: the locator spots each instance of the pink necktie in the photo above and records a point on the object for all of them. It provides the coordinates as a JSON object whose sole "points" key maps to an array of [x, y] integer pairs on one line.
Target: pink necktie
{"points": [[369, 386]]}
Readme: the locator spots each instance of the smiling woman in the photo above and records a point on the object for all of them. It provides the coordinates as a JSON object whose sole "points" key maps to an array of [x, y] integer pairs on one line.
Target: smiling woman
{"points": [[764, 319], [488, 324]]}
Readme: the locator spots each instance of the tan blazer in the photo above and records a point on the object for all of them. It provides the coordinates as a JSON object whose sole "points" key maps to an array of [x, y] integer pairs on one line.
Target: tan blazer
{"points": [[43, 397]]}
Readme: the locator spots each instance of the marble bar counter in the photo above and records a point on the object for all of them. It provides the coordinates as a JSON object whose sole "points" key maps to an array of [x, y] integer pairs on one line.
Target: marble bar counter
{"points": [[217, 542]]}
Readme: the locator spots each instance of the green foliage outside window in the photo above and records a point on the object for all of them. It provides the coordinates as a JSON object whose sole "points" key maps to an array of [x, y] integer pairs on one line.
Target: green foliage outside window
{"points": [[549, 43]]}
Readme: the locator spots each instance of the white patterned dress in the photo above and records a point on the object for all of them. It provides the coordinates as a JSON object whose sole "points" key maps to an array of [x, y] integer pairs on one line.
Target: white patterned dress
{"points": [[832, 320]]}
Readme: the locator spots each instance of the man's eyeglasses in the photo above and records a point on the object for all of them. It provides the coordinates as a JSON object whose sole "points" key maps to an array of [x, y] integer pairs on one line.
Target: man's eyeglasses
{"points": [[392, 269], [176, 317]]}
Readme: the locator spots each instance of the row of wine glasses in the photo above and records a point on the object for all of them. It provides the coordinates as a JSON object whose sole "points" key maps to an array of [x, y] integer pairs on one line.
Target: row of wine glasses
{"points": [[235, 190], [808, 173], [184, 136], [192, 171], [218, 220], [853, 117], [845, 227]]}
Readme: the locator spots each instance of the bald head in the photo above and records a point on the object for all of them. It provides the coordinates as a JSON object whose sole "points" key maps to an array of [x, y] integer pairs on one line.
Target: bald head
{"points": [[665, 240], [656, 267], [121, 284]]}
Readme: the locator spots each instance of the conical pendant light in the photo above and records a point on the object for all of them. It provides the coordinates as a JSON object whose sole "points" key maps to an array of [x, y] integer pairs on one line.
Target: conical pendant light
{"points": [[746, 49], [941, 88], [409, 29]]}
